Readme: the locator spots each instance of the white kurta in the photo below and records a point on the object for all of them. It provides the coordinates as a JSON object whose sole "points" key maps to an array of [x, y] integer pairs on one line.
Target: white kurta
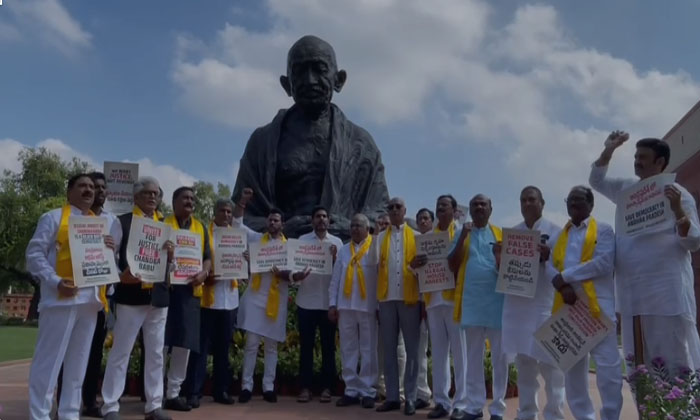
{"points": [[395, 261], [522, 316], [251, 312], [355, 302], [313, 290]]}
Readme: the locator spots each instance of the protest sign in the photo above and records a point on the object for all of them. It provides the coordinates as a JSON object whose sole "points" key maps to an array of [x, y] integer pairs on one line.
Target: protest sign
{"points": [[93, 263], [520, 263], [316, 256], [229, 246], [144, 252], [265, 256], [643, 207], [120, 178], [187, 257], [435, 275]]}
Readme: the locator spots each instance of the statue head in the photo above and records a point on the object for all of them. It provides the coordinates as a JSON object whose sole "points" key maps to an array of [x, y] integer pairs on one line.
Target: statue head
{"points": [[312, 74]]}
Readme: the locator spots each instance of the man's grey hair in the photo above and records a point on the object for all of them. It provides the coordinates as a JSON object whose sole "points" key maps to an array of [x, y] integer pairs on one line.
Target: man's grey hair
{"points": [[363, 218], [222, 202], [143, 181]]}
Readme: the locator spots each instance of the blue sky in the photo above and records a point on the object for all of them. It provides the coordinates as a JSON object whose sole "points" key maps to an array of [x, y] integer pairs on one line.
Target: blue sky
{"points": [[462, 97]]}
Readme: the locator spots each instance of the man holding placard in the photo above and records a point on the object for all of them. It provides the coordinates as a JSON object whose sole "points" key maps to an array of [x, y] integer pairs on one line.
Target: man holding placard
{"points": [[352, 304], [653, 266], [141, 299], [312, 313], [446, 336], [399, 306], [479, 308], [424, 221], [67, 313], [219, 305], [263, 309], [582, 265], [522, 316], [192, 258]]}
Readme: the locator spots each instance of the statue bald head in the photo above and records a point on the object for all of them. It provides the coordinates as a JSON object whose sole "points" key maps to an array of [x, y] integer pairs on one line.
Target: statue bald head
{"points": [[312, 74]]}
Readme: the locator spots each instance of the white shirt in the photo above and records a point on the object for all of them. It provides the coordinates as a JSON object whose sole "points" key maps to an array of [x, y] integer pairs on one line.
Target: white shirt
{"points": [[41, 262], [522, 316], [395, 260], [654, 275], [355, 302], [313, 290]]}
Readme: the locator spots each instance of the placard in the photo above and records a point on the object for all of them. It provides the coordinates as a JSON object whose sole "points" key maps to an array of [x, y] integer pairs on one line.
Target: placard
{"points": [[643, 208], [572, 332], [265, 256], [520, 263], [144, 252], [187, 257], [120, 178], [93, 263], [435, 275], [314, 255], [229, 246]]}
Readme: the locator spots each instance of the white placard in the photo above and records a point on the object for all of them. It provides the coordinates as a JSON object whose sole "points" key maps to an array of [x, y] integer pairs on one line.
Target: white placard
{"points": [[144, 252], [316, 256], [520, 263], [187, 257], [435, 275], [643, 208], [93, 263], [120, 178], [229, 246], [572, 332], [265, 256]]}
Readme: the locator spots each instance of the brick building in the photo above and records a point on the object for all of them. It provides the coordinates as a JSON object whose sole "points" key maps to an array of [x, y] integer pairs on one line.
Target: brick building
{"points": [[15, 305]]}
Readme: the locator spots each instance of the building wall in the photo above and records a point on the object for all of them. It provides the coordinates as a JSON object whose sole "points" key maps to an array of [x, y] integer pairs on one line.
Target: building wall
{"points": [[15, 306]]}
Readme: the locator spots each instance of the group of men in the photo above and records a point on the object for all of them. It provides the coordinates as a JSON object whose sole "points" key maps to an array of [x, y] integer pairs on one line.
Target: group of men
{"points": [[373, 300]]}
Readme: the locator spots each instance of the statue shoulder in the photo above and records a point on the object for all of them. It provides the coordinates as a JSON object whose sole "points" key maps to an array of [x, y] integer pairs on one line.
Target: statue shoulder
{"points": [[362, 136], [262, 135]]}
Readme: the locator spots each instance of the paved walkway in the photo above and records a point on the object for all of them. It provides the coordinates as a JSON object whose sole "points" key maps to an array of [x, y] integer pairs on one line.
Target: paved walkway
{"points": [[13, 405]]}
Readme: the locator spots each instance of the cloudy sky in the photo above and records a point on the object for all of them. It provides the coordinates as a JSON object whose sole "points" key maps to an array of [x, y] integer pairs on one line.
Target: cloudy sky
{"points": [[461, 96]]}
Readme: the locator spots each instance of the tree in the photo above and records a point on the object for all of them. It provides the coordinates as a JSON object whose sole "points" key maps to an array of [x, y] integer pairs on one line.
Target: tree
{"points": [[205, 198], [24, 196]]}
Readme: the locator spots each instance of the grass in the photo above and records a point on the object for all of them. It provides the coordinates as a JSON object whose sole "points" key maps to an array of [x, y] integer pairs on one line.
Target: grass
{"points": [[17, 343]]}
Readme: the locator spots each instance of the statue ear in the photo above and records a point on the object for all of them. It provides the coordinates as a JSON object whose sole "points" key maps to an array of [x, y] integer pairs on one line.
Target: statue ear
{"points": [[340, 77], [286, 85]]}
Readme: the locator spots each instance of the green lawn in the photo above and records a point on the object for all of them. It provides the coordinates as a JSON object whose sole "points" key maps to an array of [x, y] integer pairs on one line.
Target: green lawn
{"points": [[17, 343]]}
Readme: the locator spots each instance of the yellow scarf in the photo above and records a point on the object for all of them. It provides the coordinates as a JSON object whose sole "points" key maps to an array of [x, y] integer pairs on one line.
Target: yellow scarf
{"points": [[459, 287], [559, 256], [449, 294], [64, 265], [273, 295], [410, 284], [208, 290], [136, 211], [356, 258], [195, 227]]}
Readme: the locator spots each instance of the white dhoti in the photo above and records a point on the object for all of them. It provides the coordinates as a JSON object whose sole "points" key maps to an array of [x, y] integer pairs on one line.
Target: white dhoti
{"points": [[358, 344], [64, 338], [177, 370], [130, 319], [476, 391], [252, 342], [528, 386], [447, 337], [424, 393]]}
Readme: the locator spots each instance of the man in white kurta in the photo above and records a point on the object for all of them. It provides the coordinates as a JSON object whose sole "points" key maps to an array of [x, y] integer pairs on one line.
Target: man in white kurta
{"points": [[599, 271], [353, 303], [654, 275], [522, 316], [446, 336], [67, 315], [312, 314]]}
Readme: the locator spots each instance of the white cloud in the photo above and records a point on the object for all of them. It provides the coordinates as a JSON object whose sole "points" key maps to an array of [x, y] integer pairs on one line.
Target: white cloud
{"points": [[8, 158], [52, 23], [9, 33], [528, 87]]}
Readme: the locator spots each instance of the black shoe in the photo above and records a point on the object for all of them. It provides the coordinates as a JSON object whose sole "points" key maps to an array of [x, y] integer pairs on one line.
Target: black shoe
{"points": [[389, 406], [193, 401], [421, 404], [463, 415], [438, 412], [270, 396], [347, 400], [495, 417], [157, 414], [93, 411], [176, 404], [409, 408], [367, 402], [224, 399], [244, 396]]}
